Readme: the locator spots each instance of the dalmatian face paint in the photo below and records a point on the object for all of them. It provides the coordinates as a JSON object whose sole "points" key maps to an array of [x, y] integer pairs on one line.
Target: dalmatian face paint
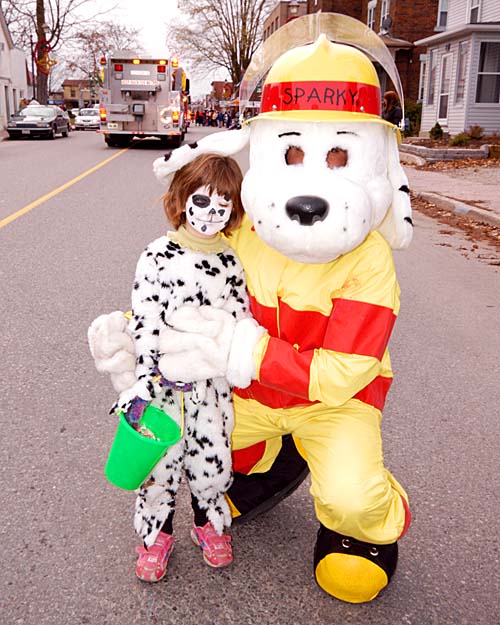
{"points": [[207, 212]]}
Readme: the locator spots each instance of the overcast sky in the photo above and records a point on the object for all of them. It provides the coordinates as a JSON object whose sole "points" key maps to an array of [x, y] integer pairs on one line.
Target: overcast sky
{"points": [[150, 17]]}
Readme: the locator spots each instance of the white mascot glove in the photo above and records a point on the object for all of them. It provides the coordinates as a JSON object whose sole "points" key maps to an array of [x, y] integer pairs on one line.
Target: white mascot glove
{"points": [[142, 388], [206, 343], [113, 349]]}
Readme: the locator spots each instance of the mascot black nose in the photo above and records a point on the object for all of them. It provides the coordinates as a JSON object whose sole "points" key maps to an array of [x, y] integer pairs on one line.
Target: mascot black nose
{"points": [[307, 209]]}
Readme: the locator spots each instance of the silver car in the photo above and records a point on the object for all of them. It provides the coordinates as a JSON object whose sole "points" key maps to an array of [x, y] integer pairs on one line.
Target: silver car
{"points": [[87, 118]]}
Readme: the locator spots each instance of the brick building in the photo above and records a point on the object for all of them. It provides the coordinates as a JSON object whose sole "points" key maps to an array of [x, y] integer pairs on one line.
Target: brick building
{"points": [[283, 12], [347, 7], [400, 23], [222, 90]]}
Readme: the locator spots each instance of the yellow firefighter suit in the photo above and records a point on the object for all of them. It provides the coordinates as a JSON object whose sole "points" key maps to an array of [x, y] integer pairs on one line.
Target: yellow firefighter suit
{"points": [[323, 372]]}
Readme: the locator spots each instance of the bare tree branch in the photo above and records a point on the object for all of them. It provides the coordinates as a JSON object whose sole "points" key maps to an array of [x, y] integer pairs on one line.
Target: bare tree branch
{"points": [[219, 33]]}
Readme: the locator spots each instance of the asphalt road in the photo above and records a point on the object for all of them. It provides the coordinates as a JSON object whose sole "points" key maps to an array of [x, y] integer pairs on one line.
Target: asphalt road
{"points": [[67, 542]]}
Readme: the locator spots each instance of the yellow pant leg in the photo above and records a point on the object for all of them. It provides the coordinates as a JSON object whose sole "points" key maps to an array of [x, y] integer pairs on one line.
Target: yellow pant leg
{"points": [[354, 494], [254, 423]]}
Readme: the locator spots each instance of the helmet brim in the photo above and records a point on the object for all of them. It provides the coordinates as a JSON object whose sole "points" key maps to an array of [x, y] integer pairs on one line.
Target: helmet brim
{"points": [[324, 116]]}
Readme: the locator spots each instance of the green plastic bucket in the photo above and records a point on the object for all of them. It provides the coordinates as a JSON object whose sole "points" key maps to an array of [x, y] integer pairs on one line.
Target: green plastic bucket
{"points": [[133, 456]]}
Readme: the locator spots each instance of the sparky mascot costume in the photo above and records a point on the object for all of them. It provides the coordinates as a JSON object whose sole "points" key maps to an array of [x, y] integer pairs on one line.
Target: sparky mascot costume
{"points": [[326, 199]]}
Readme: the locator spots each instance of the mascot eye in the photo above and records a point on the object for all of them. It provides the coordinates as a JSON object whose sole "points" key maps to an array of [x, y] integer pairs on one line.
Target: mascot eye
{"points": [[336, 157], [294, 155]]}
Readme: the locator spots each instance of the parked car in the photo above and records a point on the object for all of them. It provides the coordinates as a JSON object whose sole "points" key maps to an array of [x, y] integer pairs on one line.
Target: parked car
{"points": [[87, 118], [68, 118], [75, 112], [39, 120]]}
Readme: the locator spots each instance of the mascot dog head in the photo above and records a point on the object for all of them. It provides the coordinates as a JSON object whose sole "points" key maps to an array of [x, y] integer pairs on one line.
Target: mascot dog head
{"points": [[324, 166]]}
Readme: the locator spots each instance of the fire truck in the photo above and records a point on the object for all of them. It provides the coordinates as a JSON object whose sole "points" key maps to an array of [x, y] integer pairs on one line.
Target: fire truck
{"points": [[143, 97]]}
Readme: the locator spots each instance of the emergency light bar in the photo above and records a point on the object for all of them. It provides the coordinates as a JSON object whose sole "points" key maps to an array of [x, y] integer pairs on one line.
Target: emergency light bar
{"points": [[159, 62]]}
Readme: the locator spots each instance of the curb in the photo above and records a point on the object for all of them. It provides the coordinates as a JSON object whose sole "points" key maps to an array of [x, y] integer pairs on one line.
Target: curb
{"points": [[407, 158], [445, 153], [460, 208]]}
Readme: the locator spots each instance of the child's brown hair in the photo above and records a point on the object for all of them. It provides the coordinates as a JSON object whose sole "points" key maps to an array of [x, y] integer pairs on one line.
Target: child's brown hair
{"points": [[221, 174]]}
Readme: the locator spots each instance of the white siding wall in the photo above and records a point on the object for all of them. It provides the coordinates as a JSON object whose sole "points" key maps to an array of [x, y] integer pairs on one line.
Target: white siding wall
{"points": [[485, 115], [459, 10], [463, 115], [456, 110], [18, 74], [4, 76], [13, 81], [457, 13], [430, 111], [490, 11]]}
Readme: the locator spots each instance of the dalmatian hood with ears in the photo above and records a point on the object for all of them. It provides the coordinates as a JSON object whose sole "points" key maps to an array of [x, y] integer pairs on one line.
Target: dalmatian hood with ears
{"points": [[324, 166]]}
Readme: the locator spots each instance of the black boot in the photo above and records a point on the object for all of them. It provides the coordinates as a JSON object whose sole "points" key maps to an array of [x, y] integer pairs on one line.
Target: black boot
{"points": [[254, 494], [350, 569]]}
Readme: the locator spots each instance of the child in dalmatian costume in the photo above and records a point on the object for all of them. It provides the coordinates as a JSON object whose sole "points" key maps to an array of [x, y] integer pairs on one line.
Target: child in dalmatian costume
{"points": [[325, 199], [192, 266]]}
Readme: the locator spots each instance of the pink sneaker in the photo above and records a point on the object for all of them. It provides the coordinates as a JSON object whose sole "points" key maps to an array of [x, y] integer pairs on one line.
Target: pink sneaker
{"points": [[216, 549], [152, 562]]}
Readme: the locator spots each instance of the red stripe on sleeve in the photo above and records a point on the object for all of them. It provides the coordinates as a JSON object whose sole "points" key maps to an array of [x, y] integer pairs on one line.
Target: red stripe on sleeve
{"points": [[283, 367], [359, 328], [303, 328]]}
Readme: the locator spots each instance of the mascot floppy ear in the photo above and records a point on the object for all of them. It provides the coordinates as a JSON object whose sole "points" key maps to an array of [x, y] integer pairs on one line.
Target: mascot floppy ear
{"points": [[222, 143], [397, 225]]}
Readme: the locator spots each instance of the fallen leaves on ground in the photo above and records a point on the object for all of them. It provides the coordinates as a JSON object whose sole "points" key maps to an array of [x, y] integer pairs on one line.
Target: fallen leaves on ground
{"points": [[474, 231], [463, 163]]}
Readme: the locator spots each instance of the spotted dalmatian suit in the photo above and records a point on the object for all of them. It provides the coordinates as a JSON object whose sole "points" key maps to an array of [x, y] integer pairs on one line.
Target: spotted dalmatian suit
{"points": [[169, 275]]}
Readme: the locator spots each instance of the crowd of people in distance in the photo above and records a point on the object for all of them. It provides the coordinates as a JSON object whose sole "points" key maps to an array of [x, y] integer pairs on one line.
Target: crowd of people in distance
{"points": [[217, 119]]}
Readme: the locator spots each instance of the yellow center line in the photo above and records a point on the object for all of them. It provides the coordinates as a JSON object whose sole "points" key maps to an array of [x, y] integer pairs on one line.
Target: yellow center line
{"points": [[66, 185]]}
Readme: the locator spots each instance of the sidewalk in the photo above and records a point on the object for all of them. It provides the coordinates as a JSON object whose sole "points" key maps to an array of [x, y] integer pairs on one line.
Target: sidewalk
{"points": [[471, 191]]}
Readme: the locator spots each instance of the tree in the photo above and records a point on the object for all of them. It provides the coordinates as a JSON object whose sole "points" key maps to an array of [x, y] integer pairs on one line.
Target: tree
{"points": [[218, 33], [51, 21], [85, 50]]}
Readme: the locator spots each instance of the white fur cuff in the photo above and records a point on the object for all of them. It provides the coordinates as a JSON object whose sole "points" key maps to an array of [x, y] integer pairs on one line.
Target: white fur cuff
{"points": [[240, 366]]}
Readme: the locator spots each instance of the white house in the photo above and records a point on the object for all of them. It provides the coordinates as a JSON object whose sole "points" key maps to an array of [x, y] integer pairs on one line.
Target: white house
{"points": [[13, 77], [460, 73]]}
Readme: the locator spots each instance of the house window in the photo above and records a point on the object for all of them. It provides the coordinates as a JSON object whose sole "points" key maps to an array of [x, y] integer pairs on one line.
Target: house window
{"points": [[372, 5], [463, 54], [488, 79], [444, 91], [475, 6], [422, 78], [73, 93], [384, 11], [431, 89], [442, 18]]}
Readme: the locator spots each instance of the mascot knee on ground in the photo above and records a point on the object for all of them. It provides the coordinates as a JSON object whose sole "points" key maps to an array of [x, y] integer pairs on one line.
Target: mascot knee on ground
{"points": [[326, 199]]}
